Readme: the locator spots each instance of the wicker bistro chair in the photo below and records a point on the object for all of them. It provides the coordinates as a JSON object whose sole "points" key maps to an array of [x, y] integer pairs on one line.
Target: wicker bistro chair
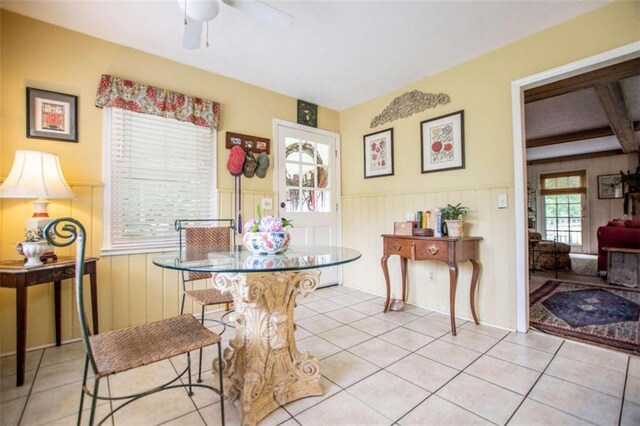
{"points": [[198, 238], [125, 349]]}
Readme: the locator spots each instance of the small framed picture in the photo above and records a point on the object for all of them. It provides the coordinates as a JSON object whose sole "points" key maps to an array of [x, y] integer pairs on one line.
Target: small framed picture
{"points": [[307, 113], [52, 115], [378, 154], [442, 145], [236, 141], [261, 145], [610, 186]]}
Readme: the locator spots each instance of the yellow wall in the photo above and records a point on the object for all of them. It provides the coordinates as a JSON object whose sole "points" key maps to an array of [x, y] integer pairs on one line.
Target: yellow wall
{"points": [[482, 88], [40, 55]]}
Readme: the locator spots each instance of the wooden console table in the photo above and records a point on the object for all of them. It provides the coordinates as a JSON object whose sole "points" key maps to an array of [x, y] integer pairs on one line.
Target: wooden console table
{"points": [[448, 250], [14, 275]]}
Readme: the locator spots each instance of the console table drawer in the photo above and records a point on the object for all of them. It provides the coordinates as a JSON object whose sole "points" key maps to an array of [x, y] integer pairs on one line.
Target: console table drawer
{"points": [[432, 250], [400, 247]]}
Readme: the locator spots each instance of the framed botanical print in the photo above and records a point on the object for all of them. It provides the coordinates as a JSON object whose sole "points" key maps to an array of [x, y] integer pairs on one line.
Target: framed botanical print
{"points": [[442, 146], [610, 186], [378, 154], [52, 115]]}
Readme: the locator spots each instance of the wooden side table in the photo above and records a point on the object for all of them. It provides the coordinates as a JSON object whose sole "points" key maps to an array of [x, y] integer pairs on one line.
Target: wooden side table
{"points": [[448, 250], [623, 266], [14, 275]]}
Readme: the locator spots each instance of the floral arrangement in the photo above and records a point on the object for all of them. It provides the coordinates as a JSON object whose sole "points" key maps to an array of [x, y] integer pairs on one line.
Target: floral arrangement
{"points": [[266, 223]]}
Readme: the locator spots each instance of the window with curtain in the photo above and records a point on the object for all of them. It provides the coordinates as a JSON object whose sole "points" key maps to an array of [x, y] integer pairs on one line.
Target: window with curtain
{"points": [[562, 195], [157, 170]]}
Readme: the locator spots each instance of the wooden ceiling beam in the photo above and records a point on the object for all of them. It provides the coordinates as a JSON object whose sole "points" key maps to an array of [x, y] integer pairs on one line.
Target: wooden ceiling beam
{"points": [[604, 75], [579, 135], [576, 157], [614, 105]]}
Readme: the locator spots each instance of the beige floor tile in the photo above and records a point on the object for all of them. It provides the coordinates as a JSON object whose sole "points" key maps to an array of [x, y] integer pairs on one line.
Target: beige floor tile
{"points": [[345, 300], [9, 390], [485, 399], [535, 340], [445, 318], [373, 326], [440, 412], [11, 411], [406, 339], [157, 408], [630, 414], [322, 306], [66, 352], [468, 339], [368, 307], [511, 376], [379, 352], [592, 355], [298, 406], [53, 404], [632, 391], [634, 366], [428, 326], [340, 408], [318, 347], [318, 324], [521, 355], [398, 318], [423, 372], [449, 354], [345, 336], [363, 295], [141, 379], [494, 332], [101, 412], [290, 422], [209, 354], [203, 396], [346, 315], [375, 391], [191, 419], [327, 292], [579, 401], [600, 379], [532, 413], [8, 365], [416, 310], [309, 298], [211, 414], [302, 312], [58, 374], [344, 289], [345, 369], [301, 333]]}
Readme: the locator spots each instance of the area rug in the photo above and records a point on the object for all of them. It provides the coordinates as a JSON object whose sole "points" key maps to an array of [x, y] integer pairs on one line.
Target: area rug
{"points": [[584, 264], [604, 316]]}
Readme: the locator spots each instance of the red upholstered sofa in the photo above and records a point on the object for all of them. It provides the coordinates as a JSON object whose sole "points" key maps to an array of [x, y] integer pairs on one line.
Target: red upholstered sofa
{"points": [[617, 233]]}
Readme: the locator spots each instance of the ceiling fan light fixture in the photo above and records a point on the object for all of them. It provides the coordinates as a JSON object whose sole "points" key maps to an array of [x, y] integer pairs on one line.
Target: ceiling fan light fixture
{"points": [[200, 10]]}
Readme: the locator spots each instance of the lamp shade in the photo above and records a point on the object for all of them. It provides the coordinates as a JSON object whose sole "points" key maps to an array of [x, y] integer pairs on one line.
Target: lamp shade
{"points": [[35, 174]]}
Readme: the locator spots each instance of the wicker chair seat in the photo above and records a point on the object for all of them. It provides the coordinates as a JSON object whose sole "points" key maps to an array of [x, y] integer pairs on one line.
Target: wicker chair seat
{"points": [[209, 296], [121, 350]]}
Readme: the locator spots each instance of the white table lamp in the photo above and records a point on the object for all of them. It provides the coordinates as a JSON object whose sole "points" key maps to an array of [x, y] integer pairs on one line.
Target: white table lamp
{"points": [[38, 175]]}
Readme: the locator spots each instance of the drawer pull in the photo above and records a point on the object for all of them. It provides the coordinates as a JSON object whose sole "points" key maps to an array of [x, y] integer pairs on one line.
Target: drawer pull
{"points": [[397, 247], [433, 250]]}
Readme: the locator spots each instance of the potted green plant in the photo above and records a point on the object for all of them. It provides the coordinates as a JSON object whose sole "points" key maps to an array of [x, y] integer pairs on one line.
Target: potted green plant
{"points": [[452, 216]]}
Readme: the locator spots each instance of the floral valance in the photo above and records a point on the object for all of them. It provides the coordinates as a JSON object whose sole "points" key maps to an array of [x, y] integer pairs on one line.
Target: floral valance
{"points": [[126, 94]]}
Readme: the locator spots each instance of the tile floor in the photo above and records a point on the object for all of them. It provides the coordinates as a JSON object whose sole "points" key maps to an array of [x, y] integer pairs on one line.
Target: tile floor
{"points": [[399, 368]]}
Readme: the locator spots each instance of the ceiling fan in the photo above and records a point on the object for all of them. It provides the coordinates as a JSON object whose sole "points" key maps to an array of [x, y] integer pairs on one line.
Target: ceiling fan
{"points": [[197, 12]]}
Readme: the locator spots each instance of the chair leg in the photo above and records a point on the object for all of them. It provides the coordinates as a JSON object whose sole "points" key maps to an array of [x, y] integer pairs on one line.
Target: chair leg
{"points": [[200, 359], [182, 305], [189, 373], [94, 400], [84, 383], [221, 381]]}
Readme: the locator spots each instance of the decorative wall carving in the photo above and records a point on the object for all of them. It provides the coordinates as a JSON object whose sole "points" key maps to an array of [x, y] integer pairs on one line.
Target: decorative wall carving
{"points": [[408, 104], [262, 363]]}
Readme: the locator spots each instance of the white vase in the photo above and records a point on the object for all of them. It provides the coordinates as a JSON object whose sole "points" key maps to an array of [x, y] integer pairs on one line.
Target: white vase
{"points": [[32, 251]]}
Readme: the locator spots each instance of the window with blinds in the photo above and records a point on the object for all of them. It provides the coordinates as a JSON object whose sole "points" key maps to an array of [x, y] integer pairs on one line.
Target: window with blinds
{"points": [[157, 170]]}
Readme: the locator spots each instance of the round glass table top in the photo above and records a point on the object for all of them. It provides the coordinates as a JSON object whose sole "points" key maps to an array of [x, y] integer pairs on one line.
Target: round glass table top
{"points": [[242, 260]]}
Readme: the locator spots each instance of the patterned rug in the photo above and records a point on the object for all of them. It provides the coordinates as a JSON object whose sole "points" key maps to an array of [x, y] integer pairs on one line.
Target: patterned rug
{"points": [[604, 316]]}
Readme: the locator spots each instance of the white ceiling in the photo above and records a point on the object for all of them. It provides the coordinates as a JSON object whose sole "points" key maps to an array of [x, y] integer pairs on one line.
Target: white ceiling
{"points": [[338, 53]]}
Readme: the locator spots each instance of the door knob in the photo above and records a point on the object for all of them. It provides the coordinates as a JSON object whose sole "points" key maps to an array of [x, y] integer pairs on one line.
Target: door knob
{"points": [[282, 204]]}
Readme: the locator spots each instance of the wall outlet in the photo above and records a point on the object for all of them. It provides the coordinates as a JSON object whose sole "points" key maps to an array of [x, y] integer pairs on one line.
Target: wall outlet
{"points": [[503, 202], [267, 204], [432, 276]]}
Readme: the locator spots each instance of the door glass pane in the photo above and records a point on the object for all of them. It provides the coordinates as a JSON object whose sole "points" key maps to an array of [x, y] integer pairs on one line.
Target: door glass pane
{"points": [[292, 149], [292, 203], [293, 174], [323, 201], [308, 176], [308, 154], [323, 154], [323, 177], [563, 218], [307, 201]]}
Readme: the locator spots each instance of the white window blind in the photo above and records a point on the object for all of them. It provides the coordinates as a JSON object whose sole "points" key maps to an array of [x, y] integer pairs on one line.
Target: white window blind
{"points": [[157, 170]]}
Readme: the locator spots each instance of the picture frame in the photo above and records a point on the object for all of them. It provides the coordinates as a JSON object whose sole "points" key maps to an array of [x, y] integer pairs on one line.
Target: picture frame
{"points": [[307, 113], [378, 154], [610, 187], [442, 143], [52, 115]]}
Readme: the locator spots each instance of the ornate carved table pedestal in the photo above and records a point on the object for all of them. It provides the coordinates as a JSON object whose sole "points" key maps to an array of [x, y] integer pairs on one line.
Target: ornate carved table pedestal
{"points": [[262, 364]]}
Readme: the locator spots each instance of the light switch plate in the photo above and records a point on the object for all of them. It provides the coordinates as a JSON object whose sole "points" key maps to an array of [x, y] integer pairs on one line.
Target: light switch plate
{"points": [[503, 202], [267, 204]]}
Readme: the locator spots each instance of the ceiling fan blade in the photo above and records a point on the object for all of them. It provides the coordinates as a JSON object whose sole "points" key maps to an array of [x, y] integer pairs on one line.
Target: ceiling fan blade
{"points": [[263, 12], [192, 34]]}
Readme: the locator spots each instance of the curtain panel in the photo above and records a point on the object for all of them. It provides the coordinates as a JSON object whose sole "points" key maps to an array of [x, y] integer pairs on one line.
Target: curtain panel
{"points": [[126, 94]]}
